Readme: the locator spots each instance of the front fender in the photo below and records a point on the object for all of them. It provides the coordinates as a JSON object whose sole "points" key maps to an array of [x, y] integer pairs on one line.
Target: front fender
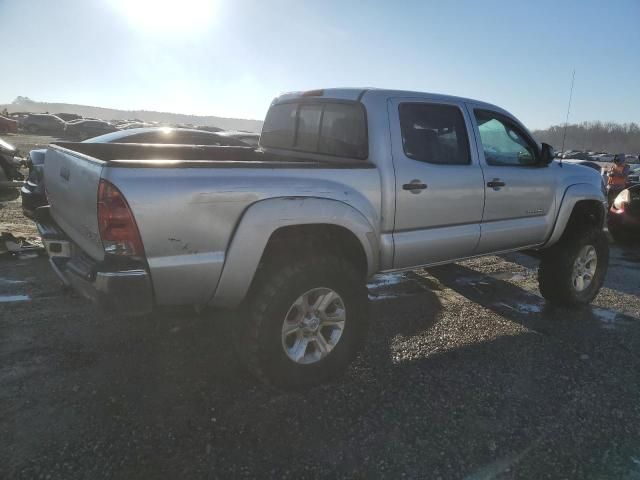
{"points": [[263, 218], [573, 195]]}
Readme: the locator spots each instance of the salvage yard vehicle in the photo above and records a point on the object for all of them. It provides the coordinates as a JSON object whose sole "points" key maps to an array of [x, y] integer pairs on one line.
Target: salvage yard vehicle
{"points": [[42, 123], [83, 129], [8, 125], [623, 220], [9, 163], [346, 183]]}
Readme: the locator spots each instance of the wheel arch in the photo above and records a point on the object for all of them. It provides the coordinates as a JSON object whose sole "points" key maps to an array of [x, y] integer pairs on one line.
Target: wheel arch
{"points": [[580, 205], [278, 226]]}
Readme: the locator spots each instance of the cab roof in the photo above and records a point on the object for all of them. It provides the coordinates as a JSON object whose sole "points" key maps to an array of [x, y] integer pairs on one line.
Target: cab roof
{"points": [[356, 94]]}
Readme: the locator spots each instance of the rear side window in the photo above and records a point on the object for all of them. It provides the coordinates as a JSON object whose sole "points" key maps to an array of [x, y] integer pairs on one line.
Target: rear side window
{"points": [[434, 134], [330, 128]]}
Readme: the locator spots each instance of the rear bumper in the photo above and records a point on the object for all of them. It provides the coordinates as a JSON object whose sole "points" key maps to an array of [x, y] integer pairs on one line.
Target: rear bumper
{"points": [[623, 220], [115, 286]]}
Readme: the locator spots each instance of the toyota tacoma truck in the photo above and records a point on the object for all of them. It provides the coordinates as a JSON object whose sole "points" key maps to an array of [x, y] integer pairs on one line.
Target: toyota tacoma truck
{"points": [[345, 183]]}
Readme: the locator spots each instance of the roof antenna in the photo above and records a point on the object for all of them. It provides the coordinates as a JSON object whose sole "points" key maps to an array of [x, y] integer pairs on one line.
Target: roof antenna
{"points": [[566, 121]]}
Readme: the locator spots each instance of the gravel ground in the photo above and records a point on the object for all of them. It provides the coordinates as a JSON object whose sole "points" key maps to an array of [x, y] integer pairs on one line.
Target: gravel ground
{"points": [[466, 374]]}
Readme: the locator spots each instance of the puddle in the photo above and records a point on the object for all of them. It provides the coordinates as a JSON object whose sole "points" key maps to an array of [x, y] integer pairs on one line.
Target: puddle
{"points": [[386, 280], [14, 298], [522, 307], [389, 286], [611, 319], [508, 276], [4, 282], [388, 296]]}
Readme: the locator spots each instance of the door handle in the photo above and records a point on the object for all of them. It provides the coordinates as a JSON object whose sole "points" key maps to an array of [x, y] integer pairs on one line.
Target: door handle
{"points": [[414, 186], [496, 183]]}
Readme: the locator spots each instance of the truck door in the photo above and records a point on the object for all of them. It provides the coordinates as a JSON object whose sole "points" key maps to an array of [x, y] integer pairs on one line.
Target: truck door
{"points": [[519, 191], [439, 184]]}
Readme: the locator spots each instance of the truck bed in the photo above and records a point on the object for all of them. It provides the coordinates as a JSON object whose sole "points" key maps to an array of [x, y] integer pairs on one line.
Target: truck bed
{"points": [[185, 156], [187, 201]]}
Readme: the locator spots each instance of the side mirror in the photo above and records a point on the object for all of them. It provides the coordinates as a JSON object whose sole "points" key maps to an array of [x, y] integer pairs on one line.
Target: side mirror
{"points": [[546, 154]]}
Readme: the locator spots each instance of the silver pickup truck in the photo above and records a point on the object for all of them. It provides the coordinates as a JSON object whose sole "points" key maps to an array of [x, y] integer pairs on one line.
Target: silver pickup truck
{"points": [[346, 183]]}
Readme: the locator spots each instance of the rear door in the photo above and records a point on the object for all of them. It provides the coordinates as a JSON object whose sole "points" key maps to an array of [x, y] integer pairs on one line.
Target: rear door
{"points": [[519, 192], [439, 183]]}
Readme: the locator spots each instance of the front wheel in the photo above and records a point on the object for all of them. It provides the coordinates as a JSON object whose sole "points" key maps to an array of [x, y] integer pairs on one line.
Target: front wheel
{"points": [[573, 271], [304, 322]]}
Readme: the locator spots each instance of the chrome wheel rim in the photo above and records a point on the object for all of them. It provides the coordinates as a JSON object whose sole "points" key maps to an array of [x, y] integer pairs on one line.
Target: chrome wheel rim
{"points": [[584, 268], [313, 325]]}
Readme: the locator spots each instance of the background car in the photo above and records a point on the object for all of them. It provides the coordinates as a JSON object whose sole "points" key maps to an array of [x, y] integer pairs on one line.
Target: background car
{"points": [[249, 138], [9, 162], [33, 193], [623, 220], [43, 123], [634, 175], [586, 163], [8, 125], [183, 136], [83, 129]]}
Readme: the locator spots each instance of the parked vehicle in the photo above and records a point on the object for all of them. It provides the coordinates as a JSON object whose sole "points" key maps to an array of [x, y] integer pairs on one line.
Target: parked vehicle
{"points": [[33, 192], [9, 163], [251, 139], [634, 175], [165, 135], [347, 183], [586, 163], [43, 123], [207, 128], [67, 117], [8, 125], [623, 220], [83, 129]]}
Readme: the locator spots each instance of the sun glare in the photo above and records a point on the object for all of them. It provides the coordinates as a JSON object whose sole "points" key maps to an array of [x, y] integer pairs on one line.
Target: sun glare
{"points": [[168, 15]]}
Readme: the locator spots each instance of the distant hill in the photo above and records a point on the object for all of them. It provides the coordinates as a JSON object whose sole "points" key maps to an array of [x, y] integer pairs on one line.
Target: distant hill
{"points": [[25, 104], [594, 136]]}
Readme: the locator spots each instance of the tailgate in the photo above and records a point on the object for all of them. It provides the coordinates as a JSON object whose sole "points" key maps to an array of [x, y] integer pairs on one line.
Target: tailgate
{"points": [[71, 182]]}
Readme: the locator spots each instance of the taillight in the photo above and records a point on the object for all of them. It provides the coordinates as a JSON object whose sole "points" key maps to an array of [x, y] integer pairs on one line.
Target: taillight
{"points": [[118, 229]]}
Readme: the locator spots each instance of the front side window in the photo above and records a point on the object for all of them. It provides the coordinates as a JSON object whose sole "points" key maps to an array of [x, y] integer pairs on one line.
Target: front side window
{"points": [[504, 144], [329, 128], [434, 134]]}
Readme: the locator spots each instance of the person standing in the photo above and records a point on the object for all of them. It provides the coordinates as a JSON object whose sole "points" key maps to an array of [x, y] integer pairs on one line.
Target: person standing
{"points": [[617, 178]]}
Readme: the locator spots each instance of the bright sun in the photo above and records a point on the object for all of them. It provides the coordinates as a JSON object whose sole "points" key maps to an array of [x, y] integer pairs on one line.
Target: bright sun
{"points": [[168, 15]]}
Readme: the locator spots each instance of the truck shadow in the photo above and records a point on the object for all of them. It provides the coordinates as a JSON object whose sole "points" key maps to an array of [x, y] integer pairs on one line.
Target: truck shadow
{"points": [[168, 391]]}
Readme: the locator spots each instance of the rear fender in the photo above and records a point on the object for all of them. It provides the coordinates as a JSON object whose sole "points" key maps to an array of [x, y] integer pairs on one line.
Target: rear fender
{"points": [[265, 217]]}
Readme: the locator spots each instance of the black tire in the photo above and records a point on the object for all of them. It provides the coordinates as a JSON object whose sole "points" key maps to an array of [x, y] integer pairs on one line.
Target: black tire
{"points": [[257, 335], [555, 273]]}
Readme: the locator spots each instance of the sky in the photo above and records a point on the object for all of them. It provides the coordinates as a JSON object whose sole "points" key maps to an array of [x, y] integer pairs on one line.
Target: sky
{"points": [[232, 57]]}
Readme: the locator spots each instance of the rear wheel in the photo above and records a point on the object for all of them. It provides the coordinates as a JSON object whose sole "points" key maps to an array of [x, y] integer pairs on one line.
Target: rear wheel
{"points": [[304, 322], [573, 271]]}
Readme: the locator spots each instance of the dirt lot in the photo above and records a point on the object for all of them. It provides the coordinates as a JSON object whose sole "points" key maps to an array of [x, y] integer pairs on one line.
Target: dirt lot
{"points": [[466, 374]]}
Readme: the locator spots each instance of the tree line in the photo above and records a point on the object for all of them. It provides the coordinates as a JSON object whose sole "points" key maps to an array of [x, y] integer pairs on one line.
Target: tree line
{"points": [[594, 136]]}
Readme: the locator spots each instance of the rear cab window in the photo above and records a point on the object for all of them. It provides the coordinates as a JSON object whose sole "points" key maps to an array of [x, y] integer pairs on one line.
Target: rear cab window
{"points": [[326, 127]]}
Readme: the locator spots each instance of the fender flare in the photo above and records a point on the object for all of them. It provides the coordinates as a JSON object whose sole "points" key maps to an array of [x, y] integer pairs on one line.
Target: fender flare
{"points": [[263, 218], [572, 195]]}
